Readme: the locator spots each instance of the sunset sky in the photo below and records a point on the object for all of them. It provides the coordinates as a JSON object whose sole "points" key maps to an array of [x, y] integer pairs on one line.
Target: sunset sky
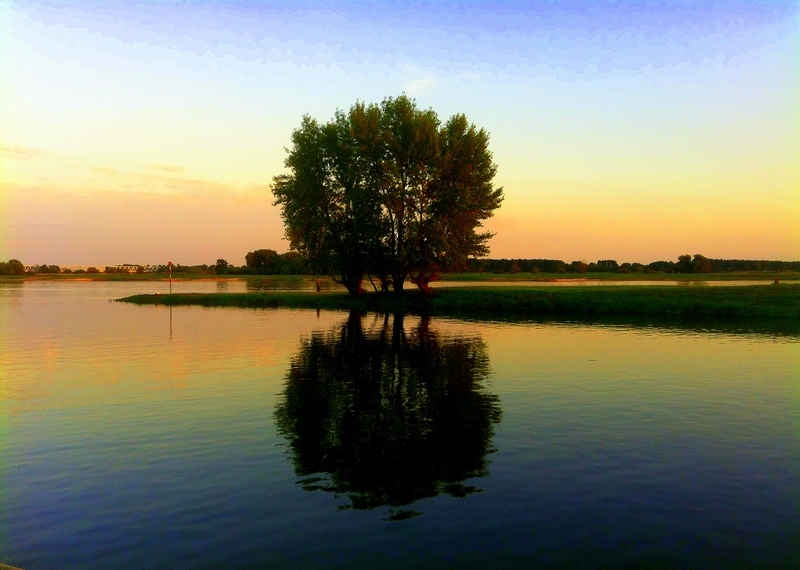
{"points": [[150, 131]]}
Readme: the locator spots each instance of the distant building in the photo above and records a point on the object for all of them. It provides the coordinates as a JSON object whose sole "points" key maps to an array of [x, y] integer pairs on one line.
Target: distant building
{"points": [[125, 267], [134, 268]]}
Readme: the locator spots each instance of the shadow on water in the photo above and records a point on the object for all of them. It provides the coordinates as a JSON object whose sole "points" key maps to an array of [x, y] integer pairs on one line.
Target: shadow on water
{"points": [[386, 414]]}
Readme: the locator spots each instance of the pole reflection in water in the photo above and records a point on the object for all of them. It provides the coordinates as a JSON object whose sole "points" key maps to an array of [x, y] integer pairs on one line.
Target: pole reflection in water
{"points": [[387, 415]]}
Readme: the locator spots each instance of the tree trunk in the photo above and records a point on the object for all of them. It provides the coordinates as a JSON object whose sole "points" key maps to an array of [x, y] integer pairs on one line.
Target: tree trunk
{"points": [[422, 283], [397, 282], [423, 280], [353, 284]]}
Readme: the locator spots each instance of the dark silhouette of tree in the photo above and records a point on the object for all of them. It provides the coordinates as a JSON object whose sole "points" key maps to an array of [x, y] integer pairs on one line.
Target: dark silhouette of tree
{"points": [[386, 189], [701, 264], [221, 267], [386, 416], [578, 267], [261, 260], [685, 264], [12, 267]]}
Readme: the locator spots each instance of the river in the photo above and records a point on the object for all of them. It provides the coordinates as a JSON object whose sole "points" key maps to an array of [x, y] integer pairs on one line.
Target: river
{"points": [[149, 437]]}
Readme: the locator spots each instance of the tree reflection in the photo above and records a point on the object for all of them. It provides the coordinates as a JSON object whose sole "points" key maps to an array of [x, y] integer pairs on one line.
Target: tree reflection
{"points": [[390, 415]]}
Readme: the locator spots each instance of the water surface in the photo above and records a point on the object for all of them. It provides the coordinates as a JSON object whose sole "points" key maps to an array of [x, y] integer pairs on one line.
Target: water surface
{"points": [[199, 438]]}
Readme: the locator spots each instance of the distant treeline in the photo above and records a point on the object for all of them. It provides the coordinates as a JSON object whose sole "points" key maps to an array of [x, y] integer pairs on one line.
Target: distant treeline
{"points": [[270, 262], [685, 264]]}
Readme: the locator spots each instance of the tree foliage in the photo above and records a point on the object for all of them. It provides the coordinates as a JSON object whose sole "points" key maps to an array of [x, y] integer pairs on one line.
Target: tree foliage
{"points": [[270, 262], [260, 259], [685, 264], [12, 267], [389, 190]]}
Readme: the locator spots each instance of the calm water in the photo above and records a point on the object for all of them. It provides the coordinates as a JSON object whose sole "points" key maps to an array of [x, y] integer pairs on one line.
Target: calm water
{"points": [[144, 437]]}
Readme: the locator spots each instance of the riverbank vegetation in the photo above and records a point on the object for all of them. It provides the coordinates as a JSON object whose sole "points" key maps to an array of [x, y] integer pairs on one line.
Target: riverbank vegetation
{"points": [[759, 301], [268, 262], [686, 264]]}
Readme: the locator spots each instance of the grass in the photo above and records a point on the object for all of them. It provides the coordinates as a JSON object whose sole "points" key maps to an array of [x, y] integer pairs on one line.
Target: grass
{"points": [[759, 301]]}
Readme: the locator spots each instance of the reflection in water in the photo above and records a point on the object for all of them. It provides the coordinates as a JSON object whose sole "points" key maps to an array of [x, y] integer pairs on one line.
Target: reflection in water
{"points": [[390, 415]]}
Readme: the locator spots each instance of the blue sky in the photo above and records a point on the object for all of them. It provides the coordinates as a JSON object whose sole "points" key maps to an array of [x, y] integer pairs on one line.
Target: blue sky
{"points": [[627, 130]]}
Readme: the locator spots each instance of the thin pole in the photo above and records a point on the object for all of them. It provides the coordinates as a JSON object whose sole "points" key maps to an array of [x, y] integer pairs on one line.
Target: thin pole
{"points": [[170, 277]]}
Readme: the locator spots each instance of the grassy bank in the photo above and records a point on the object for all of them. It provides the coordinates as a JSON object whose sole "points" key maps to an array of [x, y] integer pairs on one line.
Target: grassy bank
{"points": [[762, 301]]}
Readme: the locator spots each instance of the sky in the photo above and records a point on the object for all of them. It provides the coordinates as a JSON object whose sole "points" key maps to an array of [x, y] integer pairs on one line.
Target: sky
{"points": [[150, 131]]}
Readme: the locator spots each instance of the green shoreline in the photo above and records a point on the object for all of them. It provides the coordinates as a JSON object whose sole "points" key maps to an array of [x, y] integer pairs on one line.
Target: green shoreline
{"points": [[757, 301]]}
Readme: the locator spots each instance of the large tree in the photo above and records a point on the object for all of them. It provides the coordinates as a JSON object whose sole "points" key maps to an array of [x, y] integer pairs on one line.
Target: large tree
{"points": [[388, 189], [331, 217]]}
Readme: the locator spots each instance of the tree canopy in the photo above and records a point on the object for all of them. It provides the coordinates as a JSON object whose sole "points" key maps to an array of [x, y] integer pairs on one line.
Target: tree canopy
{"points": [[387, 189], [12, 267]]}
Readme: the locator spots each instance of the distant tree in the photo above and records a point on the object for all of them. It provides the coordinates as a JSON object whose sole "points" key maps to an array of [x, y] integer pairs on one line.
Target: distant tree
{"points": [[607, 265], [685, 264], [292, 263], [92, 270], [701, 264], [6, 268], [262, 260], [662, 266], [578, 267], [16, 266], [221, 267]]}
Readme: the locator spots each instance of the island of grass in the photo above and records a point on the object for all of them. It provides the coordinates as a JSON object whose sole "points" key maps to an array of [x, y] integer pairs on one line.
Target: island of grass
{"points": [[757, 301]]}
